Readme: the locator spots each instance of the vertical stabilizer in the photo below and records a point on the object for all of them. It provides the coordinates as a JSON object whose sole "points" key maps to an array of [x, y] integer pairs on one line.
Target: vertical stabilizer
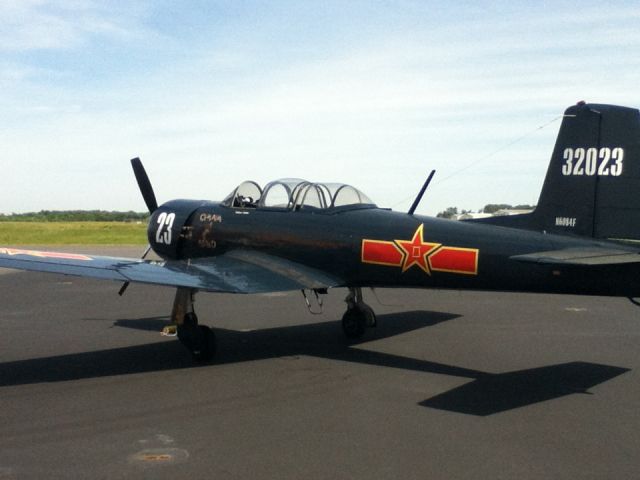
{"points": [[592, 186]]}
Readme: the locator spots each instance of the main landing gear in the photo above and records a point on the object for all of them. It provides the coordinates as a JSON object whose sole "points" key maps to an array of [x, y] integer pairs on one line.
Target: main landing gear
{"points": [[358, 317], [199, 339]]}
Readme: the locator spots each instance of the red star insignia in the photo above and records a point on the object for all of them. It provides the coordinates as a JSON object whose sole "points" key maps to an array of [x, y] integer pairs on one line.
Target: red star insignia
{"points": [[416, 251]]}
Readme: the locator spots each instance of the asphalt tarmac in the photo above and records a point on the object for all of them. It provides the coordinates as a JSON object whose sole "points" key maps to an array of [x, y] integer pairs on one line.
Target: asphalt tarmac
{"points": [[450, 385]]}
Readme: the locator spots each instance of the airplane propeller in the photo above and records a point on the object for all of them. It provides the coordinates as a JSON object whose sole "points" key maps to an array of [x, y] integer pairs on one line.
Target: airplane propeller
{"points": [[149, 199], [145, 185]]}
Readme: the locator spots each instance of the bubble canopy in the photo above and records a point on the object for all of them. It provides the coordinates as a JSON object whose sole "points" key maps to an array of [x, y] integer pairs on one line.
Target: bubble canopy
{"points": [[296, 194]]}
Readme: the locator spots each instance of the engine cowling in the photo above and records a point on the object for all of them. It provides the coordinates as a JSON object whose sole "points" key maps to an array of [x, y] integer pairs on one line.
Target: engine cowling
{"points": [[169, 225]]}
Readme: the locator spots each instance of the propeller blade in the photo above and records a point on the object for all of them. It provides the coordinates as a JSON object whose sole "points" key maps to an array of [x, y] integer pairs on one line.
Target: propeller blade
{"points": [[125, 285], [149, 198], [145, 185], [123, 288], [146, 252]]}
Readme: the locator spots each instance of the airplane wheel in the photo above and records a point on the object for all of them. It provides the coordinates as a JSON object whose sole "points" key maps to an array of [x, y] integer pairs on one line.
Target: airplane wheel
{"points": [[199, 339], [190, 321], [353, 323], [206, 348], [368, 314]]}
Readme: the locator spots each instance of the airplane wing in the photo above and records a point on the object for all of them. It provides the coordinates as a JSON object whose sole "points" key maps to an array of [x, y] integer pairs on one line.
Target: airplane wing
{"points": [[238, 271], [585, 256]]}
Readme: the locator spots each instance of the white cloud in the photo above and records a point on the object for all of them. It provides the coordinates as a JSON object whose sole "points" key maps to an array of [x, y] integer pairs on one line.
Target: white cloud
{"points": [[60, 24], [379, 113]]}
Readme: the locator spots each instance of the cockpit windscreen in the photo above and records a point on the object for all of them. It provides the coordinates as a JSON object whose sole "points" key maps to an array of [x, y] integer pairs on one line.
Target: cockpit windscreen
{"points": [[296, 194]]}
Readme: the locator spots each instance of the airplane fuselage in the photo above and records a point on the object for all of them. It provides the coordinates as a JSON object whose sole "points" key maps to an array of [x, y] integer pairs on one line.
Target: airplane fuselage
{"points": [[373, 247]]}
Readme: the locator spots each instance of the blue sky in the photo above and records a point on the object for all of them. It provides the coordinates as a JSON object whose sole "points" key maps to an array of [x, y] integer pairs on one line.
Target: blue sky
{"points": [[373, 93]]}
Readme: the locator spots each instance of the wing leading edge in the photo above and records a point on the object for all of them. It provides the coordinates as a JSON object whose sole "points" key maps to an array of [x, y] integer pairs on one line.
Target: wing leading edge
{"points": [[240, 271]]}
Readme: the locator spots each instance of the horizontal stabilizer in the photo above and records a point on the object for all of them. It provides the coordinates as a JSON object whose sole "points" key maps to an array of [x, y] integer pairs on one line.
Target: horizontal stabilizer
{"points": [[587, 256]]}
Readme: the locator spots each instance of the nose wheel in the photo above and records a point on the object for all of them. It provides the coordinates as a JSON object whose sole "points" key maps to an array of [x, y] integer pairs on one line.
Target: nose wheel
{"points": [[358, 317]]}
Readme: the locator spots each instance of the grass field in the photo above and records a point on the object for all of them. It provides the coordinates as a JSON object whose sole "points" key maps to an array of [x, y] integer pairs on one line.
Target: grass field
{"points": [[72, 233]]}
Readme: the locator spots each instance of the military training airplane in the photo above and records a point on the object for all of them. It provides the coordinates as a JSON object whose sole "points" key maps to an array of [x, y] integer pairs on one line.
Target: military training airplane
{"points": [[582, 238]]}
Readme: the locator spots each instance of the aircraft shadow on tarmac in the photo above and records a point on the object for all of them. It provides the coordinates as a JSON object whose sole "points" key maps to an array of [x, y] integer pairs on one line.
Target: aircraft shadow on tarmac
{"points": [[486, 393]]}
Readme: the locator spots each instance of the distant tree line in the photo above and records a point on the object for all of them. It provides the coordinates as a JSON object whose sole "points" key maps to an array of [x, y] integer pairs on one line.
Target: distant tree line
{"points": [[75, 216], [491, 208], [494, 207]]}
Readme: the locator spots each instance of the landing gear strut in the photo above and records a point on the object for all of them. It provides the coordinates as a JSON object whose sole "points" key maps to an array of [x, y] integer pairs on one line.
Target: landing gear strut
{"points": [[358, 317], [198, 339]]}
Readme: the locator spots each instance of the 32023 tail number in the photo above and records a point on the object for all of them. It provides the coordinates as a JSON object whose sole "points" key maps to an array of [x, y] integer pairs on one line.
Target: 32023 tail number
{"points": [[592, 161]]}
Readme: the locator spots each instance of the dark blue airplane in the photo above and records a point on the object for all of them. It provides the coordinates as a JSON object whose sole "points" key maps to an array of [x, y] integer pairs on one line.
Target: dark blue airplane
{"points": [[582, 238]]}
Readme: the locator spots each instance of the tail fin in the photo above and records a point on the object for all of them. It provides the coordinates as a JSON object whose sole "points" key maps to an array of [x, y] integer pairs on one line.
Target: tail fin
{"points": [[592, 187]]}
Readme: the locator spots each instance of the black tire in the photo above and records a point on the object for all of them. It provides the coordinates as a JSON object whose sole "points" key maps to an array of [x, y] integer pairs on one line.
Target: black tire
{"points": [[205, 349], [188, 332], [353, 324], [190, 319], [368, 314]]}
